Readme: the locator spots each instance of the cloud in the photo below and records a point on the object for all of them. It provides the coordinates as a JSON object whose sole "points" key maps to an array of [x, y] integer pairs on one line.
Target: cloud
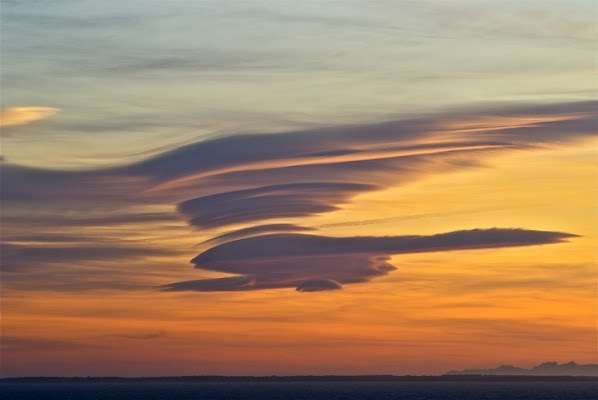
{"points": [[318, 285], [255, 231], [185, 61], [49, 238], [268, 202], [55, 187], [141, 336], [324, 147], [407, 217], [382, 155], [90, 219], [25, 115], [311, 263], [253, 179], [19, 257]]}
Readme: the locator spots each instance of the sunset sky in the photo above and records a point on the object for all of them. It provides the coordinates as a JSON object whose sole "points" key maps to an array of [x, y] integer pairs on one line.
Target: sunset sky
{"points": [[286, 188]]}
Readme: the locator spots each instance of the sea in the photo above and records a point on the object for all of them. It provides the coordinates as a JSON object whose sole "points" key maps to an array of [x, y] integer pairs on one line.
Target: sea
{"points": [[300, 390]]}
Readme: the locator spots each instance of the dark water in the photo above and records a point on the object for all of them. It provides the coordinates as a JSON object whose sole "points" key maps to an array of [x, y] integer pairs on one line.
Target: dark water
{"points": [[302, 390]]}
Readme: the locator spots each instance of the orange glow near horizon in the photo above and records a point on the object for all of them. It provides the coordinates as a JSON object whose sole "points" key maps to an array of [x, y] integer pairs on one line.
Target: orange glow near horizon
{"points": [[437, 311], [297, 188]]}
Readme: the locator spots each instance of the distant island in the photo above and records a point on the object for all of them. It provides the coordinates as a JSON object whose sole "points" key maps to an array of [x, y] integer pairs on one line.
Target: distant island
{"points": [[300, 378], [545, 372], [544, 369]]}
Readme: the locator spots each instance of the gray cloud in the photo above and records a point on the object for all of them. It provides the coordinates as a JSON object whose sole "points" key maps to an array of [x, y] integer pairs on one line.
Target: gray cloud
{"points": [[255, 231], [87, 220], [268, 202], [141, 336], [19, 257], [252, 178], [50, 238], [253, 152], [383, 172], [380, 154], [318, 285], [52, 187], [311, 263]]}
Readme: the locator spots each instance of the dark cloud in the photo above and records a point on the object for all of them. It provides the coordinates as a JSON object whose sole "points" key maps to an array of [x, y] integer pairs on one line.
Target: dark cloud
{"points": [[86, 253], [49, 238], [318, 285], [310, 262], [87, 219], [18, 257], [251, 178], [547, 131], [324, 149], [285, 149], [383, 172], [141, 336], [380, 154], [268, 202], [52, 187], [255, 231]]}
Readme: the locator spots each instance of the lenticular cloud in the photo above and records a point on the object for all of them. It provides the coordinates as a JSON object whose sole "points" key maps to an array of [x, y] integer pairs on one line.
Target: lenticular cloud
{"points": [[312, 263], [250, 195]]}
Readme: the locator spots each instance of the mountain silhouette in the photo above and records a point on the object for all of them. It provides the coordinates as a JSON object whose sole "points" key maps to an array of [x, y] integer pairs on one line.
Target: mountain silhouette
{"points": [[544, 369]]}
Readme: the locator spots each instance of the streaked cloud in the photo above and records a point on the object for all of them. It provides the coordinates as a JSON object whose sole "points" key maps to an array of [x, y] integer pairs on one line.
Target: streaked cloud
{"points": [[141, 336], [25, 115], [269, 202], [262, 186], [316, 263], [255, 231], [17, 257], [305, 147], [318, 285]]}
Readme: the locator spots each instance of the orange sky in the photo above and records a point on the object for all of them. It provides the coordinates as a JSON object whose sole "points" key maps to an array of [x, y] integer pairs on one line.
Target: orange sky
{"points": [[260, 188], [437, 311]]}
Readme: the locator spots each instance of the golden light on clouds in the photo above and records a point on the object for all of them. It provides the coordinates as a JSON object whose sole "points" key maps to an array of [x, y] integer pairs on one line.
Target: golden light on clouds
{"points": [[24, 115]]}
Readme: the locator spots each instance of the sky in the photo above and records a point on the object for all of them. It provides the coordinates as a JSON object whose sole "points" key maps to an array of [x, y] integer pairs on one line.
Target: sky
{"points": [[287, 188]]}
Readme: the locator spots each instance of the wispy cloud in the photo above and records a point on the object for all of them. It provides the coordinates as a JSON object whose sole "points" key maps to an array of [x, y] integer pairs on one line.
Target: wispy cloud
{"points": [[25, 115], [141, 336], [21, 257], [381, 155]]}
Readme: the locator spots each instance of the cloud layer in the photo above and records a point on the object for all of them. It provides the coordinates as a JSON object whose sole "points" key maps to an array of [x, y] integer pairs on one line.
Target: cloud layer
{"points": [[268, 202], [316, 263], [255, 184], [24, 115]]}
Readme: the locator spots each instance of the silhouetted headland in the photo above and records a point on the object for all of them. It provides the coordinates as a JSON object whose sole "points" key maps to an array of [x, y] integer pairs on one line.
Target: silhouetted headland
{"points": [[548, 371], [544, 369], [310, 378]]}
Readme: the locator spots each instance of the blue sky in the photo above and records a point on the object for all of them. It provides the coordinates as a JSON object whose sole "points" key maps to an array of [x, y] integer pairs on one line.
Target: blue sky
{"points": [[131, 77]]}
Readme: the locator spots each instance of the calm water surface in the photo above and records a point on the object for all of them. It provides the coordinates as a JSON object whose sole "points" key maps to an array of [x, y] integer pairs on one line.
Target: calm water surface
{"points": [[302, 390]]}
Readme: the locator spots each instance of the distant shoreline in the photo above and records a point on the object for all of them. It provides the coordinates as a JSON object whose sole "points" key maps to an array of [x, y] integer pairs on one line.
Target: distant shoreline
{"points": [[306, 378]]}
